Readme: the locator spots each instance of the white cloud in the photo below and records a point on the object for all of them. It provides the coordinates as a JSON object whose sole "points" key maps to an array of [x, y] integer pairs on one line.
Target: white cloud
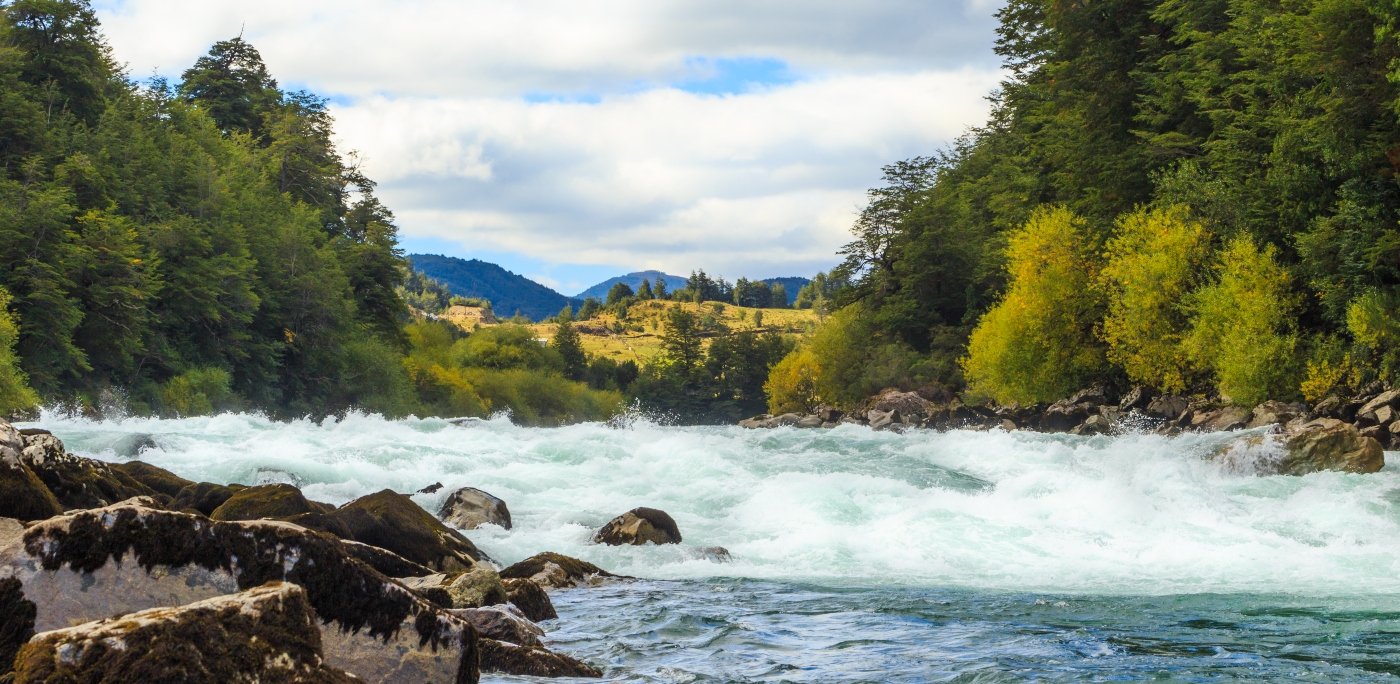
{"points": [[437, 95]]}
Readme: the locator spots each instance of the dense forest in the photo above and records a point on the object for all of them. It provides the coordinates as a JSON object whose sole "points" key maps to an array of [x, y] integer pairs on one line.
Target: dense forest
{"points": [[1194, 195]]}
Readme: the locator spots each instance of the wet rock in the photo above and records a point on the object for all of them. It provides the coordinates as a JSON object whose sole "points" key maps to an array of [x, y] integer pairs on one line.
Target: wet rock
{"points": [[530, 598], [808, 422], [91, 564], [554, 571], [1167, 406], [499, 656], [1096, 395], [267, 476], [756, 422], [267, 501], [159, 479], [1330, 444], [909, 405], [1275, 413], [1137, 398], [1064, 415], [1007, 424], [1377, 432], [502, 624], [78, 482], [392, 521], [1221, 420], [264, 634], [131, 446], [1094, 425], [477, 588], [1389, 399], [22, 494], [829, 414], [469, 508], [786, 420], [204, 497], [882, 420], [385, 561], [431, 489], [16, 621], [639, 526], [321, 522]]}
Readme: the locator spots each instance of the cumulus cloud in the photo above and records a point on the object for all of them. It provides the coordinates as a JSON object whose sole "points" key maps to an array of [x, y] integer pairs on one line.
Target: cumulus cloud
{"points": [[734, 136]]}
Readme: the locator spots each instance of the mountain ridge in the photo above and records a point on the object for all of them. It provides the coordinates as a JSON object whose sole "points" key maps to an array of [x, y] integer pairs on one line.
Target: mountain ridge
{"points": [[507, 291]]}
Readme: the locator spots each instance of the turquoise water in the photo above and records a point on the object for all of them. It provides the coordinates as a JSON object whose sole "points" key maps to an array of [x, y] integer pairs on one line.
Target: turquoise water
{"points": [[862, 556]]}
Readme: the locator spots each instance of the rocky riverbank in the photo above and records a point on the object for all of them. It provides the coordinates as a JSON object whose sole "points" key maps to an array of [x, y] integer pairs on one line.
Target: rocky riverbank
{"points": [[217, 583], [1338, 433]]}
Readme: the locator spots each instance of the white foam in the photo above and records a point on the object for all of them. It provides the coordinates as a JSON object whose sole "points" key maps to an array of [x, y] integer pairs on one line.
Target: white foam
{"points": [[1132, 514]]}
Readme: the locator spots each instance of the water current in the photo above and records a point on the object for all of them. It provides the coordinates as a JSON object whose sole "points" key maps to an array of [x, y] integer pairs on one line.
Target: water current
{"points": [[860, 556]]}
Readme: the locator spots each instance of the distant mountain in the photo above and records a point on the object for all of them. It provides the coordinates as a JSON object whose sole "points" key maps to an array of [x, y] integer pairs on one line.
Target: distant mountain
{"points": [[791, 284], [634, 281], [507, 291]]}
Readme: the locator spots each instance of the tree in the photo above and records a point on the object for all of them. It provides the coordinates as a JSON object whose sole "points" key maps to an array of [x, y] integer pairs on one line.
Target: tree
{"points": [[644, 291], [660, 290], [589, 309], [566, 314], [778, 297], [792, 384], [618, 292], [15, 393], [570, 347], [680, 342], [232, 85]]}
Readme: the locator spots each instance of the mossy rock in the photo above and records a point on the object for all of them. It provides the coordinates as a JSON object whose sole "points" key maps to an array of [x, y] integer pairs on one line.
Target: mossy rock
{"points": [[22, 495], [269, 633], [530, 661], [159, 479], [392, 521], [321, 522], [204, 497], [554, 570], [275, 501], [16, 621], [530, 598], [640, 526], [387, 562], [77, 482]]}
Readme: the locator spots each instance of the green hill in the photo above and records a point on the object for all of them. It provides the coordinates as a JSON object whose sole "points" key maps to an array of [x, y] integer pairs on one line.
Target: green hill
{"points": [[507, 291]]}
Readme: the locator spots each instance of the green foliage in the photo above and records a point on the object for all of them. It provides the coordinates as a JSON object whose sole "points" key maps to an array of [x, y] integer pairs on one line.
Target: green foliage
{"points": [[590, 308], [619, 292], [1242, 326], [568, 345], [196, 392], [424, 293], [680, 341], [506, 346], [644, 290], [1156, 258], [1038, 342], [792, 384], [15, 393]]}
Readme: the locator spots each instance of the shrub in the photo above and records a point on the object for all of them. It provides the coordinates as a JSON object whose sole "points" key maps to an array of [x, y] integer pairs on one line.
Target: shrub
{"points": [[1241, 326], [792, 383], [1155, 259], [15, 393], [1038, 343], [538, 398], [196, 392]]}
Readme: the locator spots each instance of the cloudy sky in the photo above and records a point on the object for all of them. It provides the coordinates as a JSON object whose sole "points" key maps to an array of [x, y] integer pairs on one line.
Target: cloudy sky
{"points": [[574, 141]]}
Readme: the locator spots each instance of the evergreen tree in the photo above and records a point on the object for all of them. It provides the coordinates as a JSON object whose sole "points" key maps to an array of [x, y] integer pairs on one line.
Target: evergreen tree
{"points": [[570, 348], [644, 290]]}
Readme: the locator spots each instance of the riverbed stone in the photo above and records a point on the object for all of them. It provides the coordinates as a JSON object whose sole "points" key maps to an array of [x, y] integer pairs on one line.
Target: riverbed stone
{"points": [[267, 634], [469, 508], [555, 571], [639, 526], [1095, 425], [1275, 413], [1167, 406], [392, 521], [1221, 420], [808, 422], [528, 596]]}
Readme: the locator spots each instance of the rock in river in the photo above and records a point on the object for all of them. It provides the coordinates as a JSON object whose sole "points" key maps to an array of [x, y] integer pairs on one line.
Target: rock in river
{"points": [[469, 508], [639, 526], [392, 521], [555, 570]]}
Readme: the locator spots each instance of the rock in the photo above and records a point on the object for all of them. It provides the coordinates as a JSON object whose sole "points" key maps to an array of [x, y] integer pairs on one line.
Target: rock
{"points": [[159, 479], [1330, 444], [205, 497], [1167, 406], [1328, 407], [392, 521], [937, 394], [639, 526], [431, 489], [321, 522], [1366, 419], [78, 482], [502, 625], [786, 419], [272, 501], [1063, 416], [883, 420], [23, 495], [1221, 420], [133, 445], [91, 564], [1275, 413], [1007, 424], [1384, 399], [1385, 415], [16, 622], [1096, 395], [499, 656], [1376, 432], [264, 634], [829, 414], [1094, 425], [1137, 398], [469, 508], [809, 422], [756, 422], [530, 598], [909, 405], [477, 588], [385, 561], [555, 571]]}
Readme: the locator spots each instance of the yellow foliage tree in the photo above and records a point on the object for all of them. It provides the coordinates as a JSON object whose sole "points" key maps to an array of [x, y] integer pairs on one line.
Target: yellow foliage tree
{"points": [[1153, 262], [792, 383], [1242, 326], [15, 393], [1039, 343]]}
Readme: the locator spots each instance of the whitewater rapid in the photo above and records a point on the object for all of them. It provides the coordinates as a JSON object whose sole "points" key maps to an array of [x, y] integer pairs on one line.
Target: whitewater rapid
{"points": [[990, 511]]}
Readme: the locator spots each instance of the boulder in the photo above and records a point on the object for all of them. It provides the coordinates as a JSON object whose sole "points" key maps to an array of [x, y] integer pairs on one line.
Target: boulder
{"points": [[1384, 399], [639, 526], [829, 414], [909, 405], [809, 422], [431, 489], [501, 624], [1097, 395], [272, 501], [1221, 420], [321, 522], [1275, 413], [477, 588], [554, 571], [530, 598], [1064, 415], [78, 482], [1384, 415], [1137, 399], [385, 561], [90, 564], [204, 497], [530, 661], [22, 494], [133, 445], [882, 420], [392, 521], [1094, 425], [756, 422], [469, 508], [1329, 444], [787, 419], [1167, 406], [264, 634], [16, 622], [159, 479]]}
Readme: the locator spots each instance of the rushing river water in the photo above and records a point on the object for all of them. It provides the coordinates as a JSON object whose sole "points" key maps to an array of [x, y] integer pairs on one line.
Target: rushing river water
{"points": [[859, 556]]}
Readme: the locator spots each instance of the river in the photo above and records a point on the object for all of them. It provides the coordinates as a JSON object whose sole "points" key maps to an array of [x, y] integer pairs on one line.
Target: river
{"points": [[860, 556]]}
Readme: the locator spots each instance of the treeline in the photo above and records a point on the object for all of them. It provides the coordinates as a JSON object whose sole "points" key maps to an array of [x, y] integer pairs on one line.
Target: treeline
{"points": [[1196, 195], [182, 248]]}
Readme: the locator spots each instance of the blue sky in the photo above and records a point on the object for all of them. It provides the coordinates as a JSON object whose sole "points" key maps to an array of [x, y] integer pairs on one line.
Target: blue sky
{"points": [[572, 141]]}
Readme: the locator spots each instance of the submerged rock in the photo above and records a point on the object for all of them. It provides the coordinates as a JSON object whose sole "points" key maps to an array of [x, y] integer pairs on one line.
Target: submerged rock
{"points": [[639, 526], [95, 563], [554, 571], [267, 501], [159, 479], [530, 661], [469, 508], [264, 634], [530, 598], [392, 521]]}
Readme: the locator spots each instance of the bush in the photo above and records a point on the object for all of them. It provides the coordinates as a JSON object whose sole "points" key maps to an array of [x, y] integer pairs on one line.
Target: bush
{"points": [[792, 384], [1156, 258], [196, 392], [1242, 326], [15, 393], [1038, 343], [538, 398], [506, 346]]}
